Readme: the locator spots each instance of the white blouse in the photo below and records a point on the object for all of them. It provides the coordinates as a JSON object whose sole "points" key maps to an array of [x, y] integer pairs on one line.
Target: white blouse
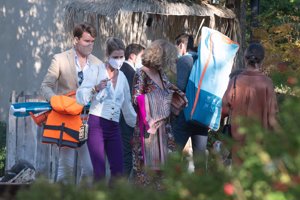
{"points": [[109, 102]]}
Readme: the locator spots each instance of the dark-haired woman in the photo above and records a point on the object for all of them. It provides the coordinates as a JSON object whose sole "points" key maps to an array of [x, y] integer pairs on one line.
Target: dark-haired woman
{"points": [[250, 94], [106, 87]]}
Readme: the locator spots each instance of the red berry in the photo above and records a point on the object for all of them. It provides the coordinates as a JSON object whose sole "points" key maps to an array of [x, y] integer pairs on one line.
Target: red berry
{"points": [[228, 189], [292, 80]]}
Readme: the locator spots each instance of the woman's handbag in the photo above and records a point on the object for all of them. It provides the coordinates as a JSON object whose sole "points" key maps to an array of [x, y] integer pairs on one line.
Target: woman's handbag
{"points": [[83, 131], [178, 103], [227, 126]]}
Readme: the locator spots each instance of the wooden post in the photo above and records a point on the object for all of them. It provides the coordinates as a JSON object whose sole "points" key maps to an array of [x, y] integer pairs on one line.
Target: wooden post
{"points": [[11, 137], [24, 140]]}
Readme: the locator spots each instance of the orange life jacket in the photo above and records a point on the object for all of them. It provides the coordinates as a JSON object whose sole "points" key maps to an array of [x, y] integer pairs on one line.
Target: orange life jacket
{"points": [[63, 122], [41, 118]]}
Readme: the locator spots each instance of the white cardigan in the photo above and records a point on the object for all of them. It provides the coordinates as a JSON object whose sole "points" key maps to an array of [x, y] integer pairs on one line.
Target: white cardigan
{"points": [[110, 101]]}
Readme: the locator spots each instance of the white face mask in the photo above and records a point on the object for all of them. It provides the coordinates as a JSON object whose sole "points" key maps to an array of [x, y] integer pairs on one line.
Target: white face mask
{"points": [[138, 63], [116, 63]]}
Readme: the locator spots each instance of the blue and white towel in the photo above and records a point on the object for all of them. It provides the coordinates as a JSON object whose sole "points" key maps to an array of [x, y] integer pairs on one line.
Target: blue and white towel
{"points": [[209, 78]]}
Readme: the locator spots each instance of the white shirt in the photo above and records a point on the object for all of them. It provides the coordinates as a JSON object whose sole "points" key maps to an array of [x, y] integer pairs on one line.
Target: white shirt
{"points": [[78, 67], [109, 102]]}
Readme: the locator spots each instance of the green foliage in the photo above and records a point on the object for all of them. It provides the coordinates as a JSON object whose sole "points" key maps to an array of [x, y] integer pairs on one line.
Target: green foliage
{"points": [[42, 189], [2, 161], [269, 171], [2, 147], [272, 157], [279, 32], [177, 184]]}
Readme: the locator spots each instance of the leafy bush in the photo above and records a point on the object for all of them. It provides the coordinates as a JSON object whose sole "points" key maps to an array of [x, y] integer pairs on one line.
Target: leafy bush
{"points": [[279, 31], [269, 171], [2, 147]]}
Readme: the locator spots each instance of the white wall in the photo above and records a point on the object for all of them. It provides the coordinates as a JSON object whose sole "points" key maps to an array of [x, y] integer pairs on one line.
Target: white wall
{"points": [[31, 32]]}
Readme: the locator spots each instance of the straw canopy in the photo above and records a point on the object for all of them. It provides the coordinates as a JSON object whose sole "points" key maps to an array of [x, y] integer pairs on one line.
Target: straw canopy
{"points": [[163, 7], [142, 21]]}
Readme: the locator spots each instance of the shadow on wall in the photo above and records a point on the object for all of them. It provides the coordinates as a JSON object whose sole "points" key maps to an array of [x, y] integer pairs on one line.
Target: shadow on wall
{"points": [[32, 31]]}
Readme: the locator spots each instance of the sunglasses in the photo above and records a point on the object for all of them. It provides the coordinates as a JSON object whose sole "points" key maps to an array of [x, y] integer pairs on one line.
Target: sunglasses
{"points": [[80, 76]]}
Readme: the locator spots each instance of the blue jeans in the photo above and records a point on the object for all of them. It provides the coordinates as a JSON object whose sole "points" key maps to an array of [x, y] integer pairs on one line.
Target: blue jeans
{"points": [[182, 130]]}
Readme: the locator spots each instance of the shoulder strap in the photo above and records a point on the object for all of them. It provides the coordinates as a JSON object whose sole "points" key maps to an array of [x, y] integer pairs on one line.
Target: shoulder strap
{"points": [[232, 98], [160, 76], [70, 132], [234, 88]]}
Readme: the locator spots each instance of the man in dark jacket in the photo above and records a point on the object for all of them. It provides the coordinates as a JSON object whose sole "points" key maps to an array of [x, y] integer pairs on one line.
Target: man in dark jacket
{"points": [[181, 128], [133, 61]]}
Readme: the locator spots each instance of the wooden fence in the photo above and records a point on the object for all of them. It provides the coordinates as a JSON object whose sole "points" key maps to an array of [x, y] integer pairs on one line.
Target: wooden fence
{"points": [[23, 141]]}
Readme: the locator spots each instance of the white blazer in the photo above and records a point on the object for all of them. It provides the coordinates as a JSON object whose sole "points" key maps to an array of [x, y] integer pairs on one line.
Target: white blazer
{"points": [[109, 102]]}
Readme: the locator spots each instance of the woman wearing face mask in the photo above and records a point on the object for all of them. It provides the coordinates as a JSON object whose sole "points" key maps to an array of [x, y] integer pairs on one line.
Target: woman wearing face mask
{"points": [[107, 89]]}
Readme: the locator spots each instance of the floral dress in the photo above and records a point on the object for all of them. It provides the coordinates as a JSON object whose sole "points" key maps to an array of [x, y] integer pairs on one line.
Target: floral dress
{"points": [[153, 138]]}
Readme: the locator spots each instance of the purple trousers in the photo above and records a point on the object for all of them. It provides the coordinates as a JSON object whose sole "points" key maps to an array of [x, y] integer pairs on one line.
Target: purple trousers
{"points": [[105, 138]]}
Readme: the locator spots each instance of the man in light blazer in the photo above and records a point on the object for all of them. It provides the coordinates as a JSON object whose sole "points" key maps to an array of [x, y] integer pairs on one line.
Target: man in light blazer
{"points": [[64, 75]]}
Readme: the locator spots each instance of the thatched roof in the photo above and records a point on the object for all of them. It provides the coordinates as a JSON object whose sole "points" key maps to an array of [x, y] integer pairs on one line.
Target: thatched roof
{"points": [[163, 7], [142, 21]]}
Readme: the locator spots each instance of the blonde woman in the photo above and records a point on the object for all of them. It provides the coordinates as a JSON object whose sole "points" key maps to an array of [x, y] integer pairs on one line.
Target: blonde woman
{"points": [[152, 93]]}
